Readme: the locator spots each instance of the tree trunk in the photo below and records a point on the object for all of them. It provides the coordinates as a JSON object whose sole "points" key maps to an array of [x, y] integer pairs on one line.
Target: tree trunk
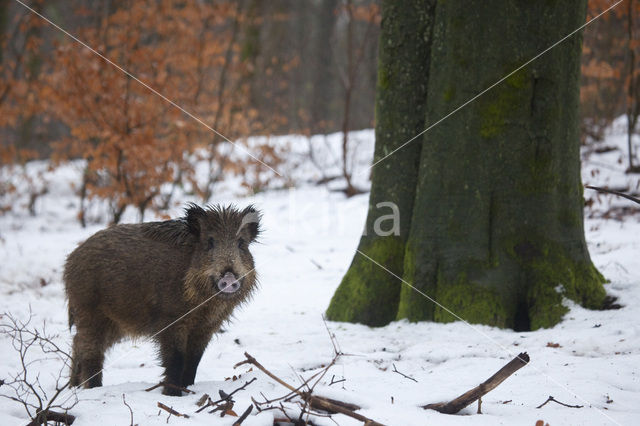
{"points": [[4, 20], [497, 232], [632, 100], [367, 293]]}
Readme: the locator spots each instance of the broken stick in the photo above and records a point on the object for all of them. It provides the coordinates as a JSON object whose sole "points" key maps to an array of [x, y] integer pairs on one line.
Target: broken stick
{"points": [[469, 397]]}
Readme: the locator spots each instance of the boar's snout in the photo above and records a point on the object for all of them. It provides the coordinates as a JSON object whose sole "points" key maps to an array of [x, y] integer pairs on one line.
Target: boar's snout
{"points": [[229, 283]]}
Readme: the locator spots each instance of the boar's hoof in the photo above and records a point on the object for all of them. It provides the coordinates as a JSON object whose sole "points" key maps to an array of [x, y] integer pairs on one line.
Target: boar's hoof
{"points": [[171, 391]]}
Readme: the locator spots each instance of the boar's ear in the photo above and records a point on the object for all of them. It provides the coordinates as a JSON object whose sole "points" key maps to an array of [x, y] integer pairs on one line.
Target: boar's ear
{"points": [[193, 215], [251, 222]]}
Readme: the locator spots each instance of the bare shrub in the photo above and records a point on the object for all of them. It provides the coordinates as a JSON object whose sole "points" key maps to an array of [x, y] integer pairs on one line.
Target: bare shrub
{"points": [[35, 346]]}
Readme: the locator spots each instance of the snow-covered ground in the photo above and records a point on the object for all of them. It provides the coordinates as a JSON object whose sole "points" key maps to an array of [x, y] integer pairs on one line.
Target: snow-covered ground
{"points": [[311, 232]]}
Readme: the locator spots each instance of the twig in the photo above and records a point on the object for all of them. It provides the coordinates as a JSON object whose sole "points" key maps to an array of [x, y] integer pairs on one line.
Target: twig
{"points": [[243, 416], [251, 360], [171, 410], [225, 397], [332, 337], [316, 264], [611, 191], [333, 382], [288, 396], [470, 396], [130, 410], [552, 399], [395, 370], [168, 385]]}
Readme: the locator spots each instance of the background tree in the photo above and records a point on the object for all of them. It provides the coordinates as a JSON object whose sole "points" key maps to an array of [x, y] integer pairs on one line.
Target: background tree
{"points": [[632, 81], [354, 50], [610, 84], [496, 230]]}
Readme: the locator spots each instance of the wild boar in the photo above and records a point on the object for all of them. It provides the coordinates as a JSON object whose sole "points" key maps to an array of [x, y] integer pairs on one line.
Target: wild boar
{"points": [[174, 281]]}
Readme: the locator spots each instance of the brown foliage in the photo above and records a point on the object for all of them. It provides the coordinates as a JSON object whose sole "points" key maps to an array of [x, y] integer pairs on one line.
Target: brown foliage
{"points": [[133, 141]]}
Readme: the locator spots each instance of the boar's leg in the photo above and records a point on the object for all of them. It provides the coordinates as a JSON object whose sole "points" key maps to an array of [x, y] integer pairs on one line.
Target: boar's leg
{"points": [[76, 373], [172, 352], [88, 357], [89, 345], [92, 370], [197, 343]]}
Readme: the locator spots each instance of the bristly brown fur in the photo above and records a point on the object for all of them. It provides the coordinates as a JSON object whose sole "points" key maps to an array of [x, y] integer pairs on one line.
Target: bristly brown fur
{"points": [[134, 280], [174, 232]]}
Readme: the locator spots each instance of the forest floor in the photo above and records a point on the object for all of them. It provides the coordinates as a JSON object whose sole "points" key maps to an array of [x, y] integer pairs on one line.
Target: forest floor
{"points": [[590, 359]]}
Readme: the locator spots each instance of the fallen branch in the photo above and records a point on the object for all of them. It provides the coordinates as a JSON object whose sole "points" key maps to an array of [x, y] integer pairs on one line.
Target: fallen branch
{"points": [[472, 395], [316, 402], [172, 411], [53, 416], [552, 399]]}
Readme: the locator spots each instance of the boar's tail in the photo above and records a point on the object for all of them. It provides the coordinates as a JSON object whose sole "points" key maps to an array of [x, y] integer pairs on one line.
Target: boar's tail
{"points": [[71, 321]]}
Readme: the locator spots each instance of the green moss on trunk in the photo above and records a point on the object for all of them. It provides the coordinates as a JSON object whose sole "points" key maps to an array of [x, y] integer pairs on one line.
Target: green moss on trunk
{"points": [[413, 306], [551, 275], [364, 295], [473, 302]]}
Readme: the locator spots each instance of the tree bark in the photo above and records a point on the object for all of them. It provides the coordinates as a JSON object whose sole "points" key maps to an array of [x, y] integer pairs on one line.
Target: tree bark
{"points": [[492, 222], [367, 293], [497, 231]]}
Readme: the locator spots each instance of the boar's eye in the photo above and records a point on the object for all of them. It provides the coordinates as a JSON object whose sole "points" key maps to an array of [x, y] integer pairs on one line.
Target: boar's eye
{"points": [[210, 243], [241, 243]]}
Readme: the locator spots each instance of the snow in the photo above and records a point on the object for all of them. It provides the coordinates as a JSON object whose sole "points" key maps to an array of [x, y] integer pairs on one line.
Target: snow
{"points": [[311, 233]]}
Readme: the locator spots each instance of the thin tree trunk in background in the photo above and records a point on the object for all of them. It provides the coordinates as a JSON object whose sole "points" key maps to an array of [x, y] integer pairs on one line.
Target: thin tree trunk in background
{"points": [[497, 231], [348, 88], [220, 102], [322, 74], [632, 102], [4, 20], [31, 67], [368, 294]]}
